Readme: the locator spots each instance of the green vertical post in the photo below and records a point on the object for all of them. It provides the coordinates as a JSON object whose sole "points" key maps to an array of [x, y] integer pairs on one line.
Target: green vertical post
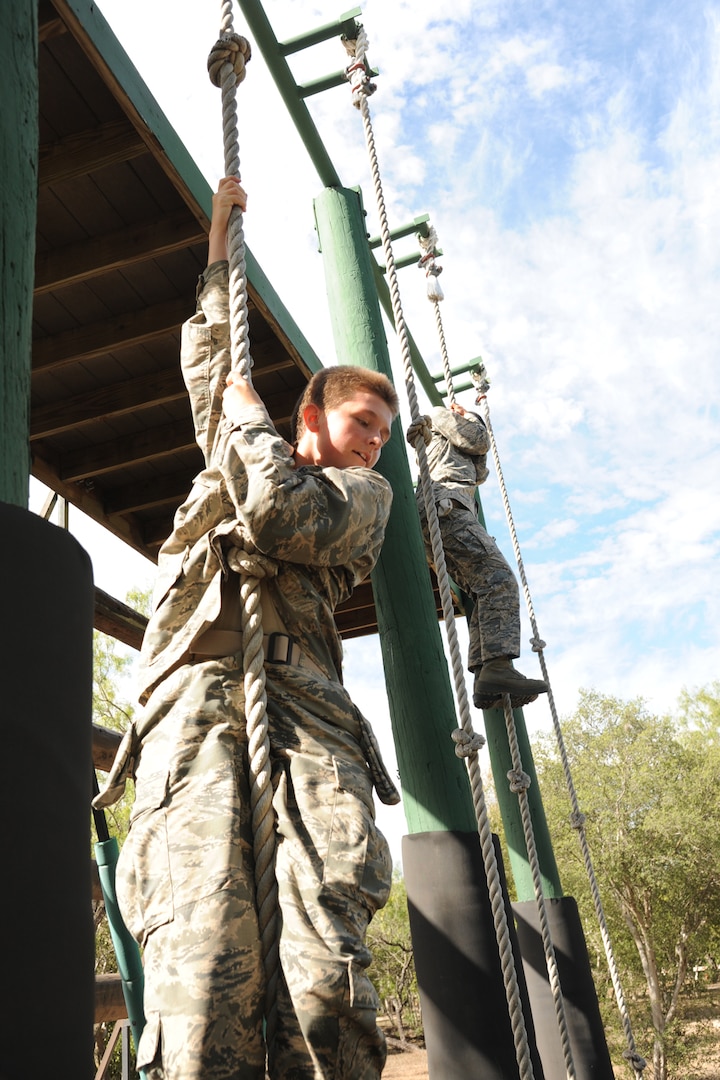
{"points": [[435, 786], [19, 156], [509, 805]]}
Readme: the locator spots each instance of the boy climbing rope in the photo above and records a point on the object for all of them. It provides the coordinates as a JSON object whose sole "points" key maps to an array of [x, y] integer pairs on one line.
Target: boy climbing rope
{"points": [[315, 516], [456, 454]]}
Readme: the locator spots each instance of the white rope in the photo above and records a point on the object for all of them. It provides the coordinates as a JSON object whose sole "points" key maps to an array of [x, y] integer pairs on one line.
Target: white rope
{"points": [[635, 1059], [226, 65], [519, 780], [519, 784], [467, 741]]}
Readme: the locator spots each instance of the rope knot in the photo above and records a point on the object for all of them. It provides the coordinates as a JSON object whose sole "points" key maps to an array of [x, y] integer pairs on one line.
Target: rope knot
{"points": [[229, 49], [467, 743], [537, 644], [577, 820], [252, 565], [519, 781], [359, 73], [636, 1060], [480, 381], [420, 428], [427, 262]]}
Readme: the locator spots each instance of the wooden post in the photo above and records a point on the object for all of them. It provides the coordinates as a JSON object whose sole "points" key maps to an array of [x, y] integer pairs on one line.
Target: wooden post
{"points": [[19, 155], [45, 646], [436, 793]]}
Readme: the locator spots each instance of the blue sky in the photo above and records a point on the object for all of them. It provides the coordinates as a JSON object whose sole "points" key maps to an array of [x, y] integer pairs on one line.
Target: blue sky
{"points": [[569, 157]]}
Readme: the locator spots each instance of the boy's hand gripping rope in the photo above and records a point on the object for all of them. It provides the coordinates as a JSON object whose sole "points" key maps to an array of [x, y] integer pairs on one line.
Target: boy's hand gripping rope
{"points": [[226, 66]]}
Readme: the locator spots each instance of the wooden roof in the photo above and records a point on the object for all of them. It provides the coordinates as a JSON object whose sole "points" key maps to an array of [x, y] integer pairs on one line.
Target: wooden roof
{"points": [[123, 214]]}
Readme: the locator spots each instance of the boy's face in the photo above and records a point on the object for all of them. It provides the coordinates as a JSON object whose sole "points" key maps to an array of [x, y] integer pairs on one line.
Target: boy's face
{"points": [[352, 434]]}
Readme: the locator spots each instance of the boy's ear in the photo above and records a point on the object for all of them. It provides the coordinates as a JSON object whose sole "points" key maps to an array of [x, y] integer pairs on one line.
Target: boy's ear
{"points": [[311, 417]]}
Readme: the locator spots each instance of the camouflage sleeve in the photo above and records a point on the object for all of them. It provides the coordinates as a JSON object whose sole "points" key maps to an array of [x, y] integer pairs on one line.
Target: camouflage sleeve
{"points": [[205, 354], [307, 515], [468, 433]]}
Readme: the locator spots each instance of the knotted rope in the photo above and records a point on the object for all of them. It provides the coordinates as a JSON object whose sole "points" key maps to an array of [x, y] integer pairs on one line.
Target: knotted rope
{"points": [[358, 74], [518, 779], [519, 785], [577, 819], [226, 66]]}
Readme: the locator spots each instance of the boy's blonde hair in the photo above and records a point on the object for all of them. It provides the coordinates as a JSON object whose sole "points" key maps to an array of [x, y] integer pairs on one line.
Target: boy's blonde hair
{"points": [[332, 386]]}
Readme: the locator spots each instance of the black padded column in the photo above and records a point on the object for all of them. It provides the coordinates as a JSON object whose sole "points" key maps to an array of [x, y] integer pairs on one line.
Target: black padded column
{"points": [[582, 1012], [468, 1031], [46, 707]]}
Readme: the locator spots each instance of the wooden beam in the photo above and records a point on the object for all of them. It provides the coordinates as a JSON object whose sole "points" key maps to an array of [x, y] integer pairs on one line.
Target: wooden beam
{"points": [[120, 331], [84, 497], [18, 223], [269, 358], [116, 399], [109, 1048], [95, 886], [123, 247], [104, 747], [158, 491], [80, 154], [118, 620], [49, 22], [128, 450], [109, 999], [156, 532]]}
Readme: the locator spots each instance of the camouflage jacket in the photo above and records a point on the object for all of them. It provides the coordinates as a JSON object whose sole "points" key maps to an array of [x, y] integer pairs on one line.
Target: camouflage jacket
{"points": [[322, 527], [457, 455]]}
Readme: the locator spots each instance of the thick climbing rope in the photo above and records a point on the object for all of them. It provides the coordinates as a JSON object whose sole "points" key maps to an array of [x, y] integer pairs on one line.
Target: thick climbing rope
{"points": [[518, 778], [226, 66], [577, 818], [467, 741]]}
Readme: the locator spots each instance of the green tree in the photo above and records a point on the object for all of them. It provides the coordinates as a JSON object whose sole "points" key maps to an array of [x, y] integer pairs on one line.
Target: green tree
{"points": [[393, 966], [648, 787]]}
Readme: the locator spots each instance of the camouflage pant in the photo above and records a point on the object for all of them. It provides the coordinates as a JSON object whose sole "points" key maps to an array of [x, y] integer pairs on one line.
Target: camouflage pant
{"points": [[478, 566], [185, 883]]}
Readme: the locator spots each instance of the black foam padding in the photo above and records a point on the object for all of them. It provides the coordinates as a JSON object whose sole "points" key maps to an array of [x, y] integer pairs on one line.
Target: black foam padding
{"points": [[582, 1013], [46, 708], [468, 1031]]}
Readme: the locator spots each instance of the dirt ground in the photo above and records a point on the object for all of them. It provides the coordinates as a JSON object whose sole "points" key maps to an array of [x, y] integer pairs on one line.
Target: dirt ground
{"points": [[410, 1064]]}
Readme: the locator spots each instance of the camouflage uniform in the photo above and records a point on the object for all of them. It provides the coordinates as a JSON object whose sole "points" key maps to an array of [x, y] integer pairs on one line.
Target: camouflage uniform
{"points": [[185, 876], [457, 455]]}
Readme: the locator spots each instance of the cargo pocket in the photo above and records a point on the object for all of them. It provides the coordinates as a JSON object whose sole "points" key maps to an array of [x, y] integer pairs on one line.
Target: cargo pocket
{"points": [[149, 1046], [144, 885], [358, 860]]}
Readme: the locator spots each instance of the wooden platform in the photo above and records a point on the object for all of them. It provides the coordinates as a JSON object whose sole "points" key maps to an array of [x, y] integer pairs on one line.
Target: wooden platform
{"points": [[123, 214]]}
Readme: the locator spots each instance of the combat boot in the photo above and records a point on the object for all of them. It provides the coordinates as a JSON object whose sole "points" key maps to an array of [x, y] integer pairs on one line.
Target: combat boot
{"points": [[497, 677]]}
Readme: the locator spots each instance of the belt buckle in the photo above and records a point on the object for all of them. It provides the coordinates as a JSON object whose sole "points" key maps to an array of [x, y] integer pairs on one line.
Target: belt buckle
{"points": [[280, 648]]}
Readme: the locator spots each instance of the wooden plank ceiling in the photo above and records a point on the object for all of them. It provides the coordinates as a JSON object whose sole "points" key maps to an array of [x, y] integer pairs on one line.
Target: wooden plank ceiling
{"points": [[120, 243]]}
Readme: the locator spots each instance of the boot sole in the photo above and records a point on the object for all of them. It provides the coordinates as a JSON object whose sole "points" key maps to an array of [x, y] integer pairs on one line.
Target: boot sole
{"points": [[493, 701]]}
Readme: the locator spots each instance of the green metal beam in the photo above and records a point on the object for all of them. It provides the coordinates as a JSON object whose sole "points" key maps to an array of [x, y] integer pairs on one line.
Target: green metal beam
{"points": [[418, 225], [345, 25], [459, 370], [264, 37]]}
